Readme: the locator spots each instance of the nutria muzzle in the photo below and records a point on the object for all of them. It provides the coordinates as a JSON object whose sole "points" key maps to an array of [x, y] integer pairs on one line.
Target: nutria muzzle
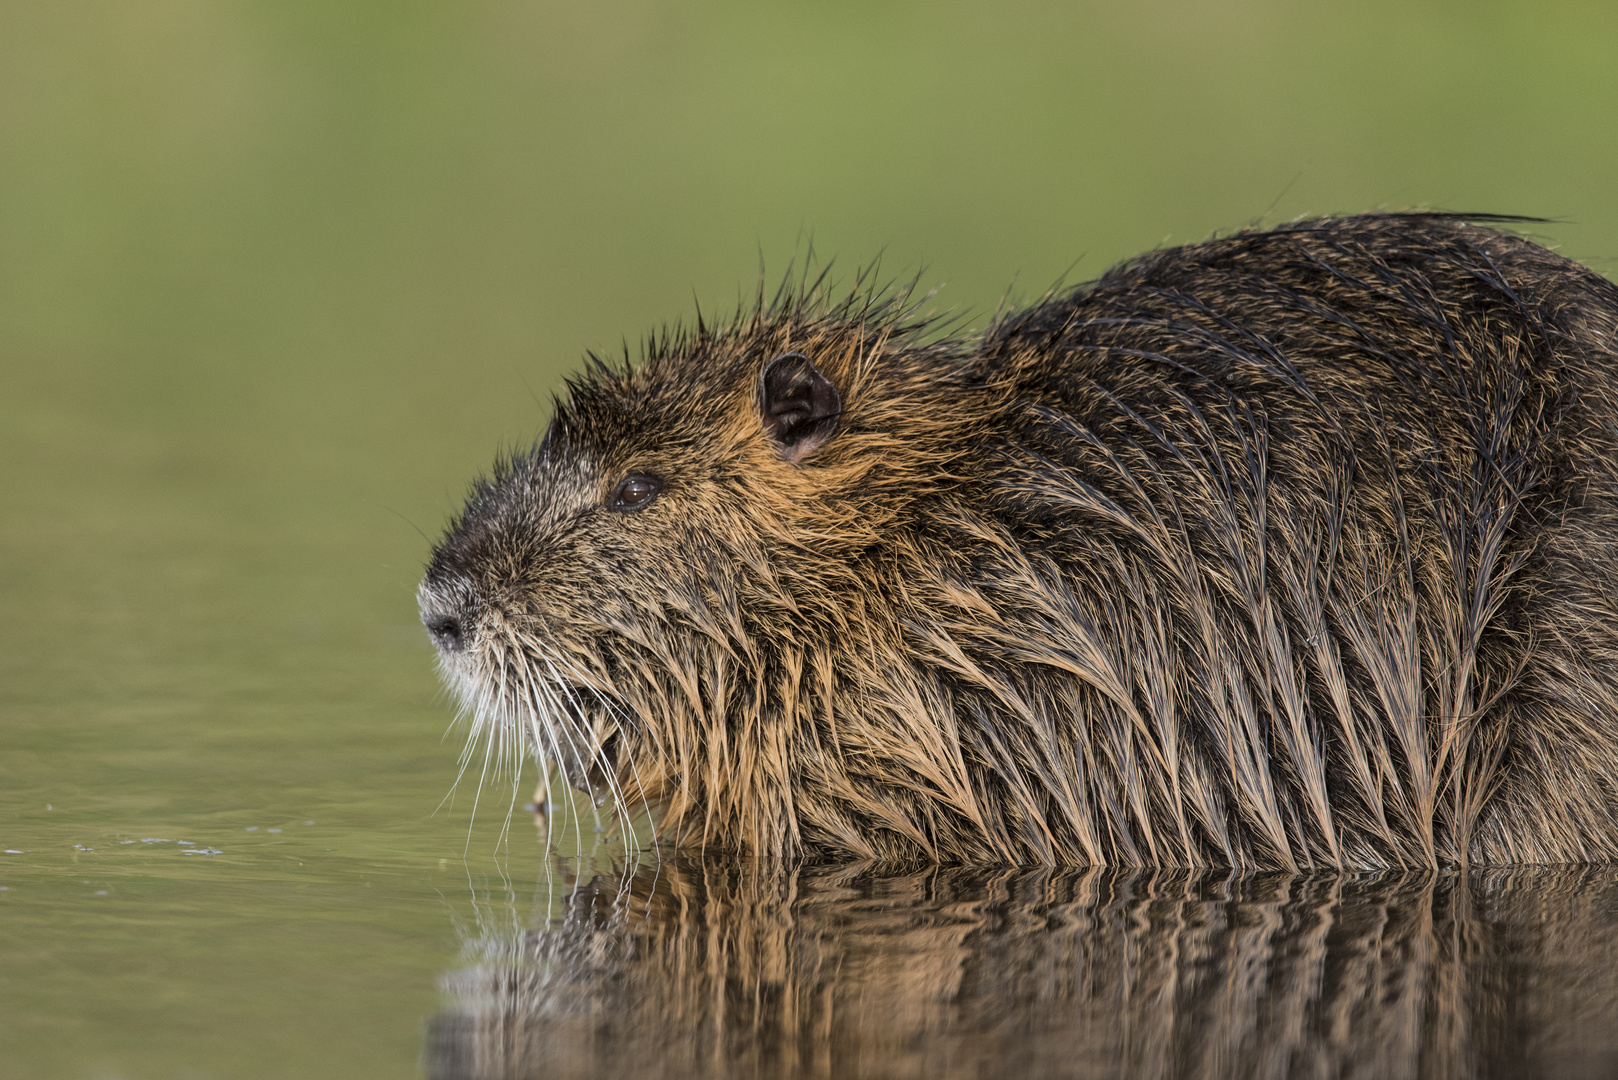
{"points": [[521, 692], [446, 631], [449, 610]]}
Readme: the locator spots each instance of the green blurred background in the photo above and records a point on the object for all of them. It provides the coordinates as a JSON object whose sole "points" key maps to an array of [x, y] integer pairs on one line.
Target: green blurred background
{"points": [[276, 279]]}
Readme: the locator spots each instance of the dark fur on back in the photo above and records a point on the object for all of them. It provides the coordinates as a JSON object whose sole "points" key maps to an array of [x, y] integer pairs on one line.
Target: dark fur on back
{"points": [[1291, 548]]}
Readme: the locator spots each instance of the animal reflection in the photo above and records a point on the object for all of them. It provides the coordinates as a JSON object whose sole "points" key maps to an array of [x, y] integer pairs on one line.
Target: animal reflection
{"points": [[749, 970]]}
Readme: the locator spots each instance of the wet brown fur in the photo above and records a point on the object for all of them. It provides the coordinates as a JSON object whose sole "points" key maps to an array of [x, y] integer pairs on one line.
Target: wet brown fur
{"points": [[1293, 548]]}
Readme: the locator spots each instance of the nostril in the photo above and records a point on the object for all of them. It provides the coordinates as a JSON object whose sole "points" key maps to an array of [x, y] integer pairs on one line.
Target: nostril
{"points": [[445, 631]]}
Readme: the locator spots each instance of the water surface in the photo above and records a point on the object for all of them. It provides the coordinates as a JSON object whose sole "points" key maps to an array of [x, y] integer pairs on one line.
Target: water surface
{"points": [[746, 970]]}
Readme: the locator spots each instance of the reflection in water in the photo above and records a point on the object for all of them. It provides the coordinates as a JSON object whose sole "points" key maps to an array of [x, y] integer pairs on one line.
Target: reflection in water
{"points": [[748, 970]]}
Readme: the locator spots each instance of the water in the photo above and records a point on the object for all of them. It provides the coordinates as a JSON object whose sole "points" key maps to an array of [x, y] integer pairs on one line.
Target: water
{"points": [[275, 954], [276, 279], [738, 970]]}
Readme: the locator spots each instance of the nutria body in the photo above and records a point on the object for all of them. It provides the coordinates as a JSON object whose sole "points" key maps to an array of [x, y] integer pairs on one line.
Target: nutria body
{"points": [[1293, 548]]}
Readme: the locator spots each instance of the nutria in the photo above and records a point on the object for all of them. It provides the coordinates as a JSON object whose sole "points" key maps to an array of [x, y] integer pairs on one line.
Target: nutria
{"points": [[1294, 548]]}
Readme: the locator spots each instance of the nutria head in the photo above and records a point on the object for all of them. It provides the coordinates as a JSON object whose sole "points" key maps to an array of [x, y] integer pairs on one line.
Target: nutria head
{"points": [[630, 598]]}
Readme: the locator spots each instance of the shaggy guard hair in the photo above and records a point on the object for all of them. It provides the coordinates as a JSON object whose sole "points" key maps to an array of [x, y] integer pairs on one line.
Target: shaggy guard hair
{"points": [[1291, 549]]}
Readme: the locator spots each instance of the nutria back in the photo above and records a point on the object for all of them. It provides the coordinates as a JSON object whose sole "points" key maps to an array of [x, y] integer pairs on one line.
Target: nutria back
{"points": [[1293, 548]]}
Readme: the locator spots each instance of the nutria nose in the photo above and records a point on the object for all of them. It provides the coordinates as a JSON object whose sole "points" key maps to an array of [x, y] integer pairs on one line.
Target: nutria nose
{"points": [[446, 631]]}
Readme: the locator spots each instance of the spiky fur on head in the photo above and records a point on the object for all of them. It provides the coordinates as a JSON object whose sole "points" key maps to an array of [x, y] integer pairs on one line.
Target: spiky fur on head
{"points": [[658, 657], [1289, 549]]}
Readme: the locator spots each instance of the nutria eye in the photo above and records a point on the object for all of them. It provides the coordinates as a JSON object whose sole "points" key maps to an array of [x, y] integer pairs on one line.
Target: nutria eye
{"points": [[634, 493]]}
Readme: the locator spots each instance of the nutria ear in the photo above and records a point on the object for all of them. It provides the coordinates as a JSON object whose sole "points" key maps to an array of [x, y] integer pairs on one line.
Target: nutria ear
{"points": [[800, 405]]}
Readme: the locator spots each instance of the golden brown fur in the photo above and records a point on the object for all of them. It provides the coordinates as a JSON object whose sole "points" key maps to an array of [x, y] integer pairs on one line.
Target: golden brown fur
{"points": [[1294, 548]]}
